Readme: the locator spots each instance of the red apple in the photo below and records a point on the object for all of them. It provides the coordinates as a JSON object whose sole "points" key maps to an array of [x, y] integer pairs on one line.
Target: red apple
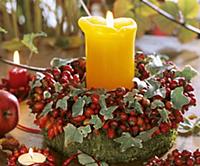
{"points": [[9, 112]]}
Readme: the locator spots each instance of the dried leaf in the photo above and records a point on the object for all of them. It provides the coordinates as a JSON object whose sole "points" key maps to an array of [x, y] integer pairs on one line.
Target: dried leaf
{"points": [[47, 109], [122, 7], [62, 103], [77, 108], [86, 160], [3, 30], [96, 121], [85, 130], [188, 73]]}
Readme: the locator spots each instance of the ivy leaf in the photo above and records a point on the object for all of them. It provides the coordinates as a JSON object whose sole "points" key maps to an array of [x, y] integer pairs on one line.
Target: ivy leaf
{"points": [[189, 8], [85, 130], [108, 112], [58, 62], [75, 91], [153, 86], [46, 94], [122, 7], [102, 102], [62, 103], [188, 73], [178, 99], [157, 104], [127, 141], [129, 98], [77, 108], [137, 106], [47, 109], [3, 30], [155, 64], [189, 127], [86, 160], [28, 40], [87, 99], [96, 121], [72, 134], [140, 84], [36, 83], [146, 135], [58, 87], [164, 115]]}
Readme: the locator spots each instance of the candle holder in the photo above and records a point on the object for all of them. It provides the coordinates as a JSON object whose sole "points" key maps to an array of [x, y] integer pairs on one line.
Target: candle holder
{"points": [[13, 158], [117, 126]]}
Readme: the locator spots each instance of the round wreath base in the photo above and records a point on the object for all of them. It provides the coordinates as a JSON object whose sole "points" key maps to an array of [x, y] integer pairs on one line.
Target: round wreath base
{"points": [[107, 150]]}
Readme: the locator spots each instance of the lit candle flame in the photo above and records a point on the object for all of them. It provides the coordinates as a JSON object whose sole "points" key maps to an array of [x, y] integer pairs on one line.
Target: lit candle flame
{"points": [[30, 152], [16, 57], [109, 19]]}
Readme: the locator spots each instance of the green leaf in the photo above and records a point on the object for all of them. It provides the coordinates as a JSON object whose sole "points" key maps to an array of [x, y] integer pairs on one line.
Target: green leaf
{"points": [[3, 30], [189, 8], [75, 91], [154, 64], [188, 72], [62, 103], [185, 35], [178, 99], [28, 40], [87, 99], [129, 98], [164, 115], [146, 135], [85, 130], [102, 163], [86, 160], [58, 87], [138, 108], [185, 127], [77, 108], [12, 45], [72, 135], [127, 141], [46, 94], [122, 7], [96, 121], [58, 62], [157, 104], [108, 112], [153, 86], [140, 84], [36, 83], [102, 102], [47, 109]]}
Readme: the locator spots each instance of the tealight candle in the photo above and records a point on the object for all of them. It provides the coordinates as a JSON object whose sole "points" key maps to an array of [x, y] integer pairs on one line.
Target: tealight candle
{"points": [[31, 158], [18, 77], [110, 49]]}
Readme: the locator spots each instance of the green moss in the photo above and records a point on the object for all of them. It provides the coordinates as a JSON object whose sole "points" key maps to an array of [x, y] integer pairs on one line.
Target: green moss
{"points": [[106, 149]]}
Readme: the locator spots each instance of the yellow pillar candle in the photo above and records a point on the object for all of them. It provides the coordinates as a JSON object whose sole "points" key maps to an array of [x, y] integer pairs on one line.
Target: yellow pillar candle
{"points": [[110, 49]]}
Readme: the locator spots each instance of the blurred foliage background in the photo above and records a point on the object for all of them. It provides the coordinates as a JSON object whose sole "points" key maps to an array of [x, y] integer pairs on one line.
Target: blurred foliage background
{"points": [[25, 20]]}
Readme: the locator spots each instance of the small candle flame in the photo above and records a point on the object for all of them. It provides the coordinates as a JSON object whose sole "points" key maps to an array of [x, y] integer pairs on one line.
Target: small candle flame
{"points": [[109, 19], [30, 152], [16, 57]]}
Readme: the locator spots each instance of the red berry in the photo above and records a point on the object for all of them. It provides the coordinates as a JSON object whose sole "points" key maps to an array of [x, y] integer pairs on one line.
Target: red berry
{"points": [[132, 120], [196, 153], [188, 88], [88, 112], [123, 116], [190, 161], [79, 118], [95, 98], [68, 68], [111, 133]]}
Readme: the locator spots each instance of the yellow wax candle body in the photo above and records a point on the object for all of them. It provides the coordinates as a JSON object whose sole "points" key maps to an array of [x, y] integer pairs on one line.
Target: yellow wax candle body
{"points": [[109, 52]]}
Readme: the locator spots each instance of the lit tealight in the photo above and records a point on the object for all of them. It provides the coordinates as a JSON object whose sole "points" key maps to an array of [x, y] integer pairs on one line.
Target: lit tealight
{"points": [[31, 158]]}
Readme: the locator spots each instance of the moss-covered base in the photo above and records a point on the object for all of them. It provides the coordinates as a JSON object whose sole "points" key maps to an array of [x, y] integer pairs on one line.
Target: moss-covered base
{"points": [[106, 149]]}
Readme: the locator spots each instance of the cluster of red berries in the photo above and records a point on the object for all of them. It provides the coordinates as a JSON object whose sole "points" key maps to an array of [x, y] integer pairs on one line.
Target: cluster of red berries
{"points": [[72, 76], [13, 158], [177, 158]]}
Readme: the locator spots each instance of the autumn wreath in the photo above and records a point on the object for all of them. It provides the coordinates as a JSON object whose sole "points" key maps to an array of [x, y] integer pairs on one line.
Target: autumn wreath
{"points": [[121, 125]]}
